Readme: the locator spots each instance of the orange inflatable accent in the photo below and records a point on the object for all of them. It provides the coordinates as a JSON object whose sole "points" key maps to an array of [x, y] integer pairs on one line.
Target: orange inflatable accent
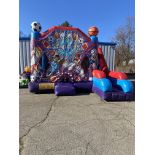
{"points": [[102, 62], [98, 74], [93, 31], [117, 75], [27, 69]]}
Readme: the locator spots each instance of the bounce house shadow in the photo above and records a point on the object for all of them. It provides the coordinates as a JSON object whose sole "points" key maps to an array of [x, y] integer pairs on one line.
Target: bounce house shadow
{"points": [[112, 101], [82, 93], [23, 87], [45, 92]]}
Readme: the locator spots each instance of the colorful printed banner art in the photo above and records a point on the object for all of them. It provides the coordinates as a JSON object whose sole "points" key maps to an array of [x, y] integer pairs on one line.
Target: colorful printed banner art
{"points": [[63, 54]]}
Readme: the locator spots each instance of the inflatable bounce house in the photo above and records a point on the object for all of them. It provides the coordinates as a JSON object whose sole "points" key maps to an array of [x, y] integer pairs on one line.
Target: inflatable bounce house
{"points": [[64, 60]]}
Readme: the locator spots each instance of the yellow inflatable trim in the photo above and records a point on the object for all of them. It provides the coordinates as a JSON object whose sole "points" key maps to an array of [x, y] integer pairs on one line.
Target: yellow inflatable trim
{"points": [[44, 86]]}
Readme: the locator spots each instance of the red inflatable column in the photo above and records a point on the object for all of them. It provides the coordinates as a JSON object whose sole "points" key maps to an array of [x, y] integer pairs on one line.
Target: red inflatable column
{"points": [[102, 62]]}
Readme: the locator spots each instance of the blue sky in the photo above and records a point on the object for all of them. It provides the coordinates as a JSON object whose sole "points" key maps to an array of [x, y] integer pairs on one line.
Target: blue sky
{"points": [[107, 15]]}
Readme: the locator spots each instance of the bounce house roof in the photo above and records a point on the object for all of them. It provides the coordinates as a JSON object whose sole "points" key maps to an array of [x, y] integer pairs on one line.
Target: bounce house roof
{"points": [[62, 28], [53, 28]]}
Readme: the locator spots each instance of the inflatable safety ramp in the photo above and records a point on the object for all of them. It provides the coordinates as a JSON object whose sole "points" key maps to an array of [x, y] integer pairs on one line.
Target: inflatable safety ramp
{"points": [[62, 60], [111, 88]]}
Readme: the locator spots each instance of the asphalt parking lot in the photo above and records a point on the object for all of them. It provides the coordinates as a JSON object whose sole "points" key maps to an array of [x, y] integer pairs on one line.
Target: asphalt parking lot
{"points": [[75, 125]]}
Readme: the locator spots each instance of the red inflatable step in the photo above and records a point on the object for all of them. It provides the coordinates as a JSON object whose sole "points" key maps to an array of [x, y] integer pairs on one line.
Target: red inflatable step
{"points": [[98, 74], [117, 75]]}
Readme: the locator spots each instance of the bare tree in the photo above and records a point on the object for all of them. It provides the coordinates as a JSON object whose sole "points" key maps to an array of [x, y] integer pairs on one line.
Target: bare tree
{"points": [[125, 39], [21, 34], [66, 24]]}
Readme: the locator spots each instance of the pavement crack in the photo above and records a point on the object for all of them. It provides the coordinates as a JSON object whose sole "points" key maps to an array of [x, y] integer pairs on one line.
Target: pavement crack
{"points": [[129, 121], [21, 139], [87, 145]]}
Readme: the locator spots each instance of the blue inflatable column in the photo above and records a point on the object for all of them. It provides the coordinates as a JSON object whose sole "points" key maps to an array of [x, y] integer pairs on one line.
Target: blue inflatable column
{"points": [[93, 32]]}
